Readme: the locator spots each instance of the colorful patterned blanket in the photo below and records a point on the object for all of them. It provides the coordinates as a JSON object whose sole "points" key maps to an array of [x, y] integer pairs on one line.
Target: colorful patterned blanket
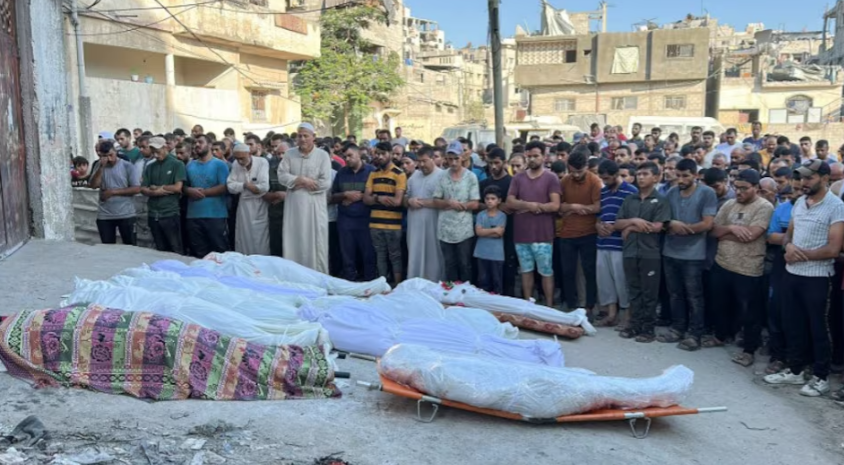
{"points": [[154, 357]]}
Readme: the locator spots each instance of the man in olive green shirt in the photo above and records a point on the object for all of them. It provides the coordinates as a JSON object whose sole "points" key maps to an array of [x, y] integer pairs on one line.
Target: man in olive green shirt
{"points": [[162, 183]]}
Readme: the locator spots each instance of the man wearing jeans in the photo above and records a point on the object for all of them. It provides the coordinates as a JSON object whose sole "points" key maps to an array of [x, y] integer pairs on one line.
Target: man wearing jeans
{"points": [[534, 199], [580, 202], [118, 184], [812, 243], [384, 193], [353, 216], [737, 274], [693, 209], [162, 183], [457, 196]]}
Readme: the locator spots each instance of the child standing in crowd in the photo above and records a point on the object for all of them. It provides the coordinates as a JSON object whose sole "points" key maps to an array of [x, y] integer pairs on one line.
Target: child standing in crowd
{"points": [[489, 250]]}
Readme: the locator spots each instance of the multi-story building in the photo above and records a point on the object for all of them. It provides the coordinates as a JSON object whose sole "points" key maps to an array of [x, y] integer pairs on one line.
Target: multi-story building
{"points": [[749, 84], [219, 65], [615, 75]]}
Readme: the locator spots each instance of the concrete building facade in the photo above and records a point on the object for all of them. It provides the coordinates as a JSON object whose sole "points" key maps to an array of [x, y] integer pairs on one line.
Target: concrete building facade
{"points": [[742, 89], [615, 75], [219, 65]]}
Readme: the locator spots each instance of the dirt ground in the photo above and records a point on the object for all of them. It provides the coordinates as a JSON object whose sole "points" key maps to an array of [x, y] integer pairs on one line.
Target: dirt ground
{"points": [[764, 425]]}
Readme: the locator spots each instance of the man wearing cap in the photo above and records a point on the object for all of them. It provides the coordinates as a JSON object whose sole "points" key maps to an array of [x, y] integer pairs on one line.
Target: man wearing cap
{"points": [[457, 196], [812, 243], [207, 214], [118, 185], [306, 171], [384, 192], [162, 183], [425, 258], [250, 180], [740, 227]]}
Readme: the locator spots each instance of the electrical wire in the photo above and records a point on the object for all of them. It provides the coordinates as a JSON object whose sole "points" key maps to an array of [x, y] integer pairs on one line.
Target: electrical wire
{"points": [[248, 12], [134, 28]]}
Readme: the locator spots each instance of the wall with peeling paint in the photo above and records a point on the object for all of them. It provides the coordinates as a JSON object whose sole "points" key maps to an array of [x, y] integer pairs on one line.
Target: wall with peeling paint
{"points": [[47, 131]]}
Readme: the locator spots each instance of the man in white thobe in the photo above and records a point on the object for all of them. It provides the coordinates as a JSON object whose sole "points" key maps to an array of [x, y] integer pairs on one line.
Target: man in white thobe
{"points": [[250, 177], [425, 254], [306, 171]]}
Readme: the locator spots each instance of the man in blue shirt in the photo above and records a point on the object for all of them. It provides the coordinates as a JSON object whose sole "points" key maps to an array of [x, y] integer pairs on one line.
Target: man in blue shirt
{"points": [[776, 233], [612, 285], [757, 139], [207, 214], [353, 216]]}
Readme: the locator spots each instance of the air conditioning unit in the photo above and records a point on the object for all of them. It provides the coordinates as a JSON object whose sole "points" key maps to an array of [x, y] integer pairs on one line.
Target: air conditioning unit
{"points": [[296, 3]]}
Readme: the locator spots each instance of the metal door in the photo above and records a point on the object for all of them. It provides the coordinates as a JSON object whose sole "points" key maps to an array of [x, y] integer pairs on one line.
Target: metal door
{"points": [[14, 211]]}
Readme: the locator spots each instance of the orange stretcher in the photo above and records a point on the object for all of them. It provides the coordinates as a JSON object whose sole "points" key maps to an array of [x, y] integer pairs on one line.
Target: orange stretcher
{"points": [[632, 416]]}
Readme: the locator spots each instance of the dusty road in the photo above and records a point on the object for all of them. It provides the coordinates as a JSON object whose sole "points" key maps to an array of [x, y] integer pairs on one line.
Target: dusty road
{"points": [[764, 425]]}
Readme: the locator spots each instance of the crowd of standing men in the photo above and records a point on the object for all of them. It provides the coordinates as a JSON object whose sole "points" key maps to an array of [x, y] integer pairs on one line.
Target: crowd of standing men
{"points": [[714, 242]]}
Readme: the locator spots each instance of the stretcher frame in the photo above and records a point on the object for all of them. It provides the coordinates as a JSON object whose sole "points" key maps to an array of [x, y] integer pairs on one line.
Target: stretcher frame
{"points": [[632, 416]]}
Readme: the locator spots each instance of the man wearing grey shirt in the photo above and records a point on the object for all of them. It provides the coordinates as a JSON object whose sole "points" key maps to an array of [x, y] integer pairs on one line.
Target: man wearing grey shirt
{"points": [[693, 209], [812, 243], [118, 184]]}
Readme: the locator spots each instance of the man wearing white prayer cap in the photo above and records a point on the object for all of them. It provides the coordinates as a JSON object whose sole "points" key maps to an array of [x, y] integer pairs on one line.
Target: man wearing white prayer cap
{"points": [[250, 177], [306, 171]]}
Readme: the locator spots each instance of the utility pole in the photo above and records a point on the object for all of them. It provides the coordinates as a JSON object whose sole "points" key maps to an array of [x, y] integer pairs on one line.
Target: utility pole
{"points": [[498, 91], [604, 16], [85, 132]]}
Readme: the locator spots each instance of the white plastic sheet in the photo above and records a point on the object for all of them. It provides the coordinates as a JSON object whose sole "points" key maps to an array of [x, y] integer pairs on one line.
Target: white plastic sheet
{"points": [[532, 390], [268, 309], [471, 296], [235, 264], [195, 310], [241, 282], [357, 326]]}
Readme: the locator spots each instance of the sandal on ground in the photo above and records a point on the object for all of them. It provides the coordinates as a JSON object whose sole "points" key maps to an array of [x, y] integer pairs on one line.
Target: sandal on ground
{"points": [[774, 366], [646, 338], [838, 395], [671, 337], [709, 341], [690, 344], [627, 334], [744, 359]]}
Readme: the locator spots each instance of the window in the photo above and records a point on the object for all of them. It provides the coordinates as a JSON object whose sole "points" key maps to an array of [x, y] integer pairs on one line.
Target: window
{"points": [[571, 56], [439, 108], [451, 110], [675, 102], [564, 104], [420, 77], [259, 105], [440, 80], [260, 2], [625, 103], [680, 51]]}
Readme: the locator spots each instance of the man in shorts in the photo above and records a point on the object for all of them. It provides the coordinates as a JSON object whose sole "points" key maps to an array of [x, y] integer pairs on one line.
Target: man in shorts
{"points": [[534, 198]]}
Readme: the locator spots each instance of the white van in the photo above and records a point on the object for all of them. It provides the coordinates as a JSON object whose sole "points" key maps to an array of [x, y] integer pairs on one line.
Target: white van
{"points": [[682, 125]]}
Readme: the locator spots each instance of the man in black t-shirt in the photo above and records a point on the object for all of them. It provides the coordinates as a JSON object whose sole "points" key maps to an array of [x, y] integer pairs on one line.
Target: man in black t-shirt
{"points": [[498, 176]]}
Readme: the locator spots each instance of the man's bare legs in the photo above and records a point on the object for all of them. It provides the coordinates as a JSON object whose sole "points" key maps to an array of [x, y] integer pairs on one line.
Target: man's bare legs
{"points": [[527, 285], [548, 289]]}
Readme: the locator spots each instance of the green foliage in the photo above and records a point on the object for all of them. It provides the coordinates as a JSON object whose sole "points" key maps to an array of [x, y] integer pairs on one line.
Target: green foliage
{"points": [[348, 76]]}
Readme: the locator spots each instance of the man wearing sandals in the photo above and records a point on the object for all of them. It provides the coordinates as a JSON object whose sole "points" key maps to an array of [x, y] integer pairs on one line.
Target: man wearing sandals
{"points": [[812, 243], [693, 208], [641, 220], [740, 227]]}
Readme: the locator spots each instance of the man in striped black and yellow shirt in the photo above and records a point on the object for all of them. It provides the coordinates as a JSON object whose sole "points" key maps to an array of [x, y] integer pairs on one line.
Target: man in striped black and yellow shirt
{"points": [[385, 192]]}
